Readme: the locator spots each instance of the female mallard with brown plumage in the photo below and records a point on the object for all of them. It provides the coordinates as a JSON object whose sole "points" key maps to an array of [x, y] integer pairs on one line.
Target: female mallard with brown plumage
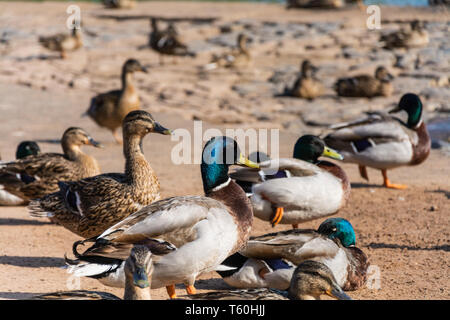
{"points": [[416, 37], [189, 225], [138, 271], [269, 260], [383, 142], [38, 175], [89, 206], [292, 191], [109, 109], [306, 86], [167, 42], [310, 280], [62, 42], [365, 85], [236, 58]]}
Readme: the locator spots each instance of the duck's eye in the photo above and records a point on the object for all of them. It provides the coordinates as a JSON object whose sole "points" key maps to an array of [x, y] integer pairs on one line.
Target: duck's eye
{"points": [[334, 229]]}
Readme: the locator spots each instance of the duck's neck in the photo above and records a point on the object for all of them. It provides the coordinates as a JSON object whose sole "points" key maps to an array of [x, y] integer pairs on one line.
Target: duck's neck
{"points": [[127, 81], [243, 48], [133, 292], [421, 149], [71, 151], [136, 166], [232, 195]]}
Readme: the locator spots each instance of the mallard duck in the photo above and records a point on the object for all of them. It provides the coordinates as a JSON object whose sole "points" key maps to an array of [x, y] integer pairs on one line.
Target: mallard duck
{"points": [[365, 85], [306, 86], [236, 58], [138, 271], [167, 42], [38, 175], [326, 4], [291, 191], [190, 224], [62, 42], [416, 37], [383, 142], [109, 109], [24, 149], [310, 280], [269, 260], [119, 4], [89, 206]]}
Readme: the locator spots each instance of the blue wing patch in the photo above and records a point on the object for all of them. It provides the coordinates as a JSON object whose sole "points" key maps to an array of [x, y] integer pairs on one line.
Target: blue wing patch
{"points": [[276, 264], [362, 145]]}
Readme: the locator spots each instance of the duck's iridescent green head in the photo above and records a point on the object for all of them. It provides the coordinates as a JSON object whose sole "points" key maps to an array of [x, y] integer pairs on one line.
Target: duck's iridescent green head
{"points": [[27, 148], [310, 148], [218, 154], [412, 104], [338, 228]]}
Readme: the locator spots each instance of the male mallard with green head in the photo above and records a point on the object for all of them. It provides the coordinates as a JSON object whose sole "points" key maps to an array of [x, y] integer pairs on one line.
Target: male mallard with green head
{"points": [[365, 85], [310, 280], [38, 175], [306, 86], [333, 244], [292, 191], [188, 225], [109, 109], [89, 206], [383, 142], [63, 42]]}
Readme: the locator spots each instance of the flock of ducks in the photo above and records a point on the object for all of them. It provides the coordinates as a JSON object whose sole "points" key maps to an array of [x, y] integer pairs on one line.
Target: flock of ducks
{"points": [[139, 242]]}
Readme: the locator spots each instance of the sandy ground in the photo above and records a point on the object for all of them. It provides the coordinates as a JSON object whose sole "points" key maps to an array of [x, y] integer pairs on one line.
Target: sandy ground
{"points": [[405, 233]]}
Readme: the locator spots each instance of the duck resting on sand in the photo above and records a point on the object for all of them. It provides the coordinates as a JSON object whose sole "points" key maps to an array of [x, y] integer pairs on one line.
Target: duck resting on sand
{"points": [[384, 142]]}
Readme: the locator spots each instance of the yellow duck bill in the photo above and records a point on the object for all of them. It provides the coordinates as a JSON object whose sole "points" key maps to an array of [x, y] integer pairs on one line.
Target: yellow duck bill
{"points": [[333, 154]]}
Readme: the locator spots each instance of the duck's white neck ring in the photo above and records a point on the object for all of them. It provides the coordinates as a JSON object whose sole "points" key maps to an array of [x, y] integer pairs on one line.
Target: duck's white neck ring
{"points": [[223, 185]]}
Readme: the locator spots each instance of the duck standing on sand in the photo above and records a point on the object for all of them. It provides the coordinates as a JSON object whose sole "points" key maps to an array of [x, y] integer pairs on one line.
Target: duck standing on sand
{"points": [[383, 142], [38, 175], [306, 86], [62, 42], [89, 206], [109, 109], [298, 189], [365, 85], [189, 226]]}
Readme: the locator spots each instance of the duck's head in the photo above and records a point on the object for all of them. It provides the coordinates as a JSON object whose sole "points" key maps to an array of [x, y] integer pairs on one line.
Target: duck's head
{"points": [[310, 148], [382, 74], [77, 137], [133, 65], [339, 228], [412, 104], [27, 148], [417, 25], [140, 123], [307, 68], [312, 279], [139, 266], [219, 154]]}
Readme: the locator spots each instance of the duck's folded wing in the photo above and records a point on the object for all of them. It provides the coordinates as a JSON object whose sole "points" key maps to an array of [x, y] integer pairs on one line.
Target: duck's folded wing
{"points": [[174, 216], [278, 245], [359, 135]]}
